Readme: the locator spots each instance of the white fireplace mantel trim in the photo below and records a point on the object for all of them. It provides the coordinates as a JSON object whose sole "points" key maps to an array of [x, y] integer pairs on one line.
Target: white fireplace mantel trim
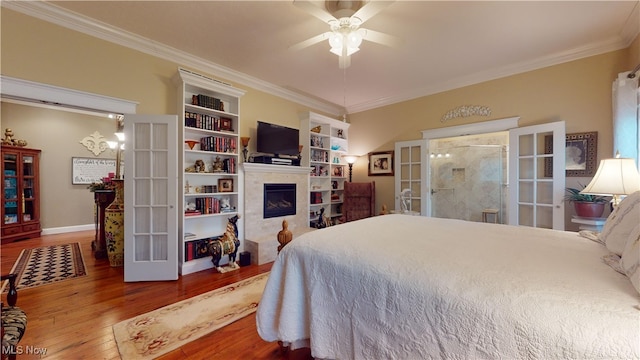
{"points": [[266, 168]]}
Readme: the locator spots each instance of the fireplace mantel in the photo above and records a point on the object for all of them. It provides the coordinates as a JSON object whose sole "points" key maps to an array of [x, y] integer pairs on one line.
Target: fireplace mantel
{"points": [[251, 167]]}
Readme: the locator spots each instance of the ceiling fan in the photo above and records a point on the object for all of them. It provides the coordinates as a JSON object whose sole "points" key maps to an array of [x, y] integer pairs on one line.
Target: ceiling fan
{"points": [[344, 19]]}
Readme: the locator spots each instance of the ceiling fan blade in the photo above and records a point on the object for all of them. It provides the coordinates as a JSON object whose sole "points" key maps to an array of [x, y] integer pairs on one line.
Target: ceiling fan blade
{"points": [[380, 38], [314, 10], [311, 41], [368, 10]]}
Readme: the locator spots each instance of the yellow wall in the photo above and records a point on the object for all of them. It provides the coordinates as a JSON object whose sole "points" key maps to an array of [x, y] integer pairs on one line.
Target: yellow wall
{"points": [[577, 92]]}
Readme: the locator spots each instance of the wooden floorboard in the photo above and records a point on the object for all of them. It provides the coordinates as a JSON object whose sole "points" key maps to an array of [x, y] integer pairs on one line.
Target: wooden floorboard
{"points": [[73, 319]]}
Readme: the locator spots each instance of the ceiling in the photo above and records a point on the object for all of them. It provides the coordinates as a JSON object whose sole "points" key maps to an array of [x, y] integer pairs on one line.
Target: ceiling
{"points": [[443, 44]]}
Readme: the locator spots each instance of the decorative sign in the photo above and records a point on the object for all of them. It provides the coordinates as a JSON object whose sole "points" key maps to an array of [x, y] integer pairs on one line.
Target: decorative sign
{"points": [[88, 170], [465, 111]]}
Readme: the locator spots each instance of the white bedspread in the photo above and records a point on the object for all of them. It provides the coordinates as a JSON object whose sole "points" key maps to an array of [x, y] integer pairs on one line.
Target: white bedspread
{"points": [[406, 287]]}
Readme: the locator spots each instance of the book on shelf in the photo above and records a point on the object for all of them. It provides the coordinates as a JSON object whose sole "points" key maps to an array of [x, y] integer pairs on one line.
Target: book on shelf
{"points": [[219, 144], [209, 102], [192, 212], [197, 249]]}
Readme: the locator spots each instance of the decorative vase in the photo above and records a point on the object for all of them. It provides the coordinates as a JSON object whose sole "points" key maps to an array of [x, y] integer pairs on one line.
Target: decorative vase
{"points": [[588, 209], [114, 226]]}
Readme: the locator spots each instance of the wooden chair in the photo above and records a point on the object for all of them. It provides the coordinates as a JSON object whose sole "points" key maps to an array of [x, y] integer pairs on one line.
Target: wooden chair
{"points": [[359, 201], [14, 320]]}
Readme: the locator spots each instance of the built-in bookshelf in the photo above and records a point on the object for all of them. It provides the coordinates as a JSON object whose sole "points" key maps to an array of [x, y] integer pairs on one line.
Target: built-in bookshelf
{"points": [[325, 141], [210, 177]]}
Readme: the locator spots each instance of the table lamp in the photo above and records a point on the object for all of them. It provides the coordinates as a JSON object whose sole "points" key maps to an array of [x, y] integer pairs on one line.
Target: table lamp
{"points": [[614, 177], [245, 143]]}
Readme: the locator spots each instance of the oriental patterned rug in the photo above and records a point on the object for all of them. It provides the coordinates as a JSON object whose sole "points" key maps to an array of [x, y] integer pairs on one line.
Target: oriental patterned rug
{"points": [[155, 333], [48, 264]]}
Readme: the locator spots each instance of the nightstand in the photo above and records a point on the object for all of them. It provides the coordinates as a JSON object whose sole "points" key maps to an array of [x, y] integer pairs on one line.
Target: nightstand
{"points": [[594, 224]]}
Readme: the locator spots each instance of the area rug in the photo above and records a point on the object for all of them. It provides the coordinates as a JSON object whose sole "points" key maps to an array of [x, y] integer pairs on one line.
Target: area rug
{"points": [[157, 332], [48, 264]]}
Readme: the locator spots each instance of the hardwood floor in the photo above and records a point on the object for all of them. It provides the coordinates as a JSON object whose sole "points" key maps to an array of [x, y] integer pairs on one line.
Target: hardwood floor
{"points": [[72, 319]]}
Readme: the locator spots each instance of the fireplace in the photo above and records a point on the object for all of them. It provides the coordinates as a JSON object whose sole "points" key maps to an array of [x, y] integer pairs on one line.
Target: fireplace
{"points": [[279, 200]]}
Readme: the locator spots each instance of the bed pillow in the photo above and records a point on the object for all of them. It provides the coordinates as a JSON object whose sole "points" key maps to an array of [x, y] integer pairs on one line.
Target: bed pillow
{"points": [[620, 223], [631, 258]]}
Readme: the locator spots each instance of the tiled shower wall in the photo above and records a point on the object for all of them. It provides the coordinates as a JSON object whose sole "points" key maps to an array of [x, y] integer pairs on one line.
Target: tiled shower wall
{"points": [[468, 175]]}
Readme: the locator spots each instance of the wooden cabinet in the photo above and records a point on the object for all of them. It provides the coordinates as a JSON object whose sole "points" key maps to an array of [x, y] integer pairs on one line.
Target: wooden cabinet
{"points": [[324, 143], [210, 179], [20, 193]]}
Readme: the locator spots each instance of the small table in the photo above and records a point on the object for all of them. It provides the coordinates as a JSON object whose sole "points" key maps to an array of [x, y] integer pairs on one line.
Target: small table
{"points": [[102, 199], [594, 224]]}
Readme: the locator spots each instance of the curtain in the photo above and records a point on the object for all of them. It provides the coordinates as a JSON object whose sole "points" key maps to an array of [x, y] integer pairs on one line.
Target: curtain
{"points": [[626, 117]]}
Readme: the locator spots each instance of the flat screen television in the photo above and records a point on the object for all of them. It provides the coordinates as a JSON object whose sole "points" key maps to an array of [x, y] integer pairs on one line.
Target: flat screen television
{"points": [[277, 139]]}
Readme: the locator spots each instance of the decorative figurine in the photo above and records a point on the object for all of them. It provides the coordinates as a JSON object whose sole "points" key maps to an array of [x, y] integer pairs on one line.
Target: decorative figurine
{"points": [[218, 165], [9, 140], [320, 223], [284, 236], [227, 244]]}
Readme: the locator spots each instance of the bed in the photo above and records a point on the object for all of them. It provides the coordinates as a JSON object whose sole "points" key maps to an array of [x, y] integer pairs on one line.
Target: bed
{"points": [[410, 287]]}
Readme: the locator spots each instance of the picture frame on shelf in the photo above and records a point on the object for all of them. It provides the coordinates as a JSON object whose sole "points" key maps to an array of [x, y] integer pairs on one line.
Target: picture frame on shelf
{"points": [[581, 152], [225, 185], [381, 163], [226, 124]]}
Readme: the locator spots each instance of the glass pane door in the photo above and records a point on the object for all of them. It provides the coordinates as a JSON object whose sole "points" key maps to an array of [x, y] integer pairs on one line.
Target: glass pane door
{"points": [[10, 196], [408, 169], [28, 189], [537, 164]]}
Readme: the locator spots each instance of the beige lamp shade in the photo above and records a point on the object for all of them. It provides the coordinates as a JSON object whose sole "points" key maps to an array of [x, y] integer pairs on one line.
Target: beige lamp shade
{"points": [[350, 159], [614, 177]]}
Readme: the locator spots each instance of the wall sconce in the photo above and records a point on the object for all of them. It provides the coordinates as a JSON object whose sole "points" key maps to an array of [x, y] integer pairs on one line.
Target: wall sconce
{"points": [[614, 177], [350, 159], [245, 144]]}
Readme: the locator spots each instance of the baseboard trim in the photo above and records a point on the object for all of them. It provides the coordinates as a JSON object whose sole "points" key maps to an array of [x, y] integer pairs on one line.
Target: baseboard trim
{"points": [[67, 229]]}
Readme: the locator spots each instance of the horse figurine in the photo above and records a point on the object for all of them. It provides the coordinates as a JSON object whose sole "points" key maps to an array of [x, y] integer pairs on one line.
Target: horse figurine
{"points": [[227, 244]]}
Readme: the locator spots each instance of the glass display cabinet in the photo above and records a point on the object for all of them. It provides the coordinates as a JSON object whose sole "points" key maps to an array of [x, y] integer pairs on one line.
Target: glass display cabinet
{"points": [[20, 193]]}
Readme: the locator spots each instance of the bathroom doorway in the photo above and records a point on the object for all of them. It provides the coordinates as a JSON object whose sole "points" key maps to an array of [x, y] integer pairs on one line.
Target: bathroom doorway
{"points": [[469, 177]]}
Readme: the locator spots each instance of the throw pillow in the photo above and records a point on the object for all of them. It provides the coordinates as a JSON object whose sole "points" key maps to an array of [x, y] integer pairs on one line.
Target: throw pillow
{"points": [[631, 258], [620, 223]]}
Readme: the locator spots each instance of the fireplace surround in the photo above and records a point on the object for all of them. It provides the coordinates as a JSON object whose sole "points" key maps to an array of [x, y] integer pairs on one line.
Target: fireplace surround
{"points": [[260, 233]]}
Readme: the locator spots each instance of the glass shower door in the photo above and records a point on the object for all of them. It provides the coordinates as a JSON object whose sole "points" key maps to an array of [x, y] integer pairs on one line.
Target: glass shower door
{"points": [[467, 182]]}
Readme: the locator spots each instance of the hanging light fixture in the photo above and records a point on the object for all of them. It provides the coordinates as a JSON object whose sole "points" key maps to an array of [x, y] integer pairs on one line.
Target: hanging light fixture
{"points": [[345, 39]]}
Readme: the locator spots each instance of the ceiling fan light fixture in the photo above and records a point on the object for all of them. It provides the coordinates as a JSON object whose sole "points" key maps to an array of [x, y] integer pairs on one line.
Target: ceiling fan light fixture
{"points": [[354, 40]]}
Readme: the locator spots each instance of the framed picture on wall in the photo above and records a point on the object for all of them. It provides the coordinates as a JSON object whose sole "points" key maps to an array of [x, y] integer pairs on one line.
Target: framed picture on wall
{"points": [[381, 163], [581, 152]]}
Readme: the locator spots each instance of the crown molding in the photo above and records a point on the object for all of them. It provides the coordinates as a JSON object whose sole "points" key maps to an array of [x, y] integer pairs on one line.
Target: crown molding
{"points": [[616, 43], [88, 26]]}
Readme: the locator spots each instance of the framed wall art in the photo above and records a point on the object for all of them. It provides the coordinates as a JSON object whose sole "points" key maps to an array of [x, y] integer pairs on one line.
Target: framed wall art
{"points": [[381, 163], [581, 152]]}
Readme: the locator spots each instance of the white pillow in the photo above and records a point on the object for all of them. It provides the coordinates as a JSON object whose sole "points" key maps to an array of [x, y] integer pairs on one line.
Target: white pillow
{"points": [[631, 258], [620, 223]]}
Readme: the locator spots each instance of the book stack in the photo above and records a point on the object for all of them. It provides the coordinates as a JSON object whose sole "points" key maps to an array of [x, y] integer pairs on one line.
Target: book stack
{"points": [[208, 205], [219, 144], [208, 102]]}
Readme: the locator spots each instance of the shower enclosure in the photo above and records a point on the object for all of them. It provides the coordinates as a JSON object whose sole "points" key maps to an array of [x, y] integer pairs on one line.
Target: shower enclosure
{"points": [[469, 177]]}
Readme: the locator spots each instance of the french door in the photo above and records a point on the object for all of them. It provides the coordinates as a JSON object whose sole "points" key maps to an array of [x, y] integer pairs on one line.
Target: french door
{"points": [[409, 174], [151, 197], [537, 175]]}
